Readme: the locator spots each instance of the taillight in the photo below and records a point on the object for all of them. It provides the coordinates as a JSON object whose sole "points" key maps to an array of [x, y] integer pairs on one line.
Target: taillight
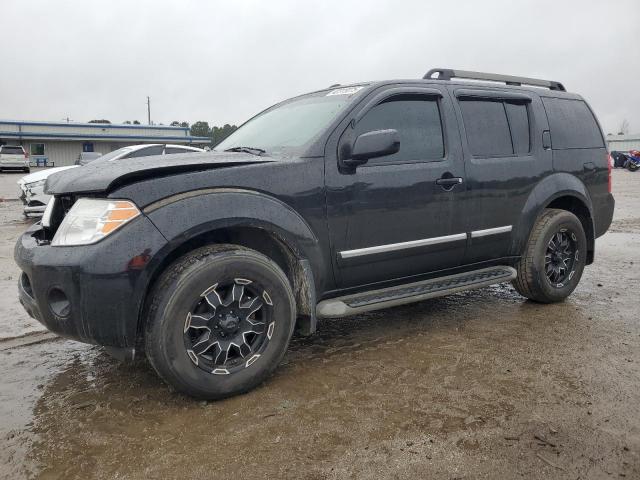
{"points": [[609, 160]]}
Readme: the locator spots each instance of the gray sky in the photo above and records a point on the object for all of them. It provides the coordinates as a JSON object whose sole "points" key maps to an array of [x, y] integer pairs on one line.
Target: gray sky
{"points": [[223, 61]]}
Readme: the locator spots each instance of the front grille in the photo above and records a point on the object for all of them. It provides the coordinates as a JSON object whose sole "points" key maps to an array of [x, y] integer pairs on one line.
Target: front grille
{"points": [[61, 207]]}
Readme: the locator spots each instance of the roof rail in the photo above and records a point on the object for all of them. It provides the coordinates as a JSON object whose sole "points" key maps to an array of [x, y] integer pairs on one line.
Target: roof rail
{"points": [[448, 74]]}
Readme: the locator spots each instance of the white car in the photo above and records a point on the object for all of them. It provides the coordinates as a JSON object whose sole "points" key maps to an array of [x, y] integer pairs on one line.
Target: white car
{"points": [[32, 186], [13, 157]]}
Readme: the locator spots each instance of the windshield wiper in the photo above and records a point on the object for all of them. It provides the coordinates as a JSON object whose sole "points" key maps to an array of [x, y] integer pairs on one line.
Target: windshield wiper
{"points": [[251, 150]]}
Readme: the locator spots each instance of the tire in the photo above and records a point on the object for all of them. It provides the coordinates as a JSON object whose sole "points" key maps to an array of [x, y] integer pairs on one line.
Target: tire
{"points": [[27, 170], [532, 280], [173, 331], [632, 166]]}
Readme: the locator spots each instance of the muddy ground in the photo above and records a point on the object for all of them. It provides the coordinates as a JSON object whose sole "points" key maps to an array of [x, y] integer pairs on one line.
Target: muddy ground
{"points": [[474, 385]]}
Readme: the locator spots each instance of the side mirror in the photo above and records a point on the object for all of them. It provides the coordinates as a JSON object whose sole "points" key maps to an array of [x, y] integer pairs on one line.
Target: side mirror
{"points": [[377, 143]]}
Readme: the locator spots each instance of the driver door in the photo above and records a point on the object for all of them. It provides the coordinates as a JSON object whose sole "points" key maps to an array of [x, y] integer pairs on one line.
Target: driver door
{"points": [[394, 217]]}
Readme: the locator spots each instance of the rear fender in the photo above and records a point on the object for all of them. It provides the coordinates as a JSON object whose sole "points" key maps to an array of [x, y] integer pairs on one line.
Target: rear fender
{"points": [[549, 189]]}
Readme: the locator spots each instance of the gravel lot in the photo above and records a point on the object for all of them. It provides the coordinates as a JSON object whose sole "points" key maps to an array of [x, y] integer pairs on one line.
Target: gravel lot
{"points": [[475, 385]]}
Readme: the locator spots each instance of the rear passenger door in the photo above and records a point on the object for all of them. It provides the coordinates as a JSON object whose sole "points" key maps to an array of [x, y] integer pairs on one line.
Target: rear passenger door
{"points": [[502, 134]]}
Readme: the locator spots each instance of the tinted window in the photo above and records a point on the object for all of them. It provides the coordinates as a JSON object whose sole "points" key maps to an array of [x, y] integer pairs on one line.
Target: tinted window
{"points": [[417, 120], [7, 150], [519, 124], [145, 152], [170, 150], [572, 124], [485, 122]]}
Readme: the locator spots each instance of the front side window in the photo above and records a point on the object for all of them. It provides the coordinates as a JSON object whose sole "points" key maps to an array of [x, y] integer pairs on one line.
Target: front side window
{"points": [[417, 120]]}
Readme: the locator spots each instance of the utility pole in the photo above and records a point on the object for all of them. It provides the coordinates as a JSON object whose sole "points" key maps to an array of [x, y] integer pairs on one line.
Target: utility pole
{"points": [[149, 110]]}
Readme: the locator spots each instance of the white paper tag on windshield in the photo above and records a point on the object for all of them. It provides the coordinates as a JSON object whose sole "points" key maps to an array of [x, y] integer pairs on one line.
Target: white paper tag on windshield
{"points": [[344, 91]]}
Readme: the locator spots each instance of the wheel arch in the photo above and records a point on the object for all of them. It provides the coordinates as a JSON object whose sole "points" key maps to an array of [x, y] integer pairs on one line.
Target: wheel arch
{"points": [[259, 222], [562, 191]]}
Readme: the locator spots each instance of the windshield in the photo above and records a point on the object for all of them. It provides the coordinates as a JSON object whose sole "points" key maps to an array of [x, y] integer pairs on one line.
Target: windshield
{"points": [[291, 124]]}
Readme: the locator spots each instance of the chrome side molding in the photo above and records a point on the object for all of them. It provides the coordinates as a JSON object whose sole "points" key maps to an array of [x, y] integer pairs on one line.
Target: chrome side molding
{"points": [[391, 247], [491, 231]]}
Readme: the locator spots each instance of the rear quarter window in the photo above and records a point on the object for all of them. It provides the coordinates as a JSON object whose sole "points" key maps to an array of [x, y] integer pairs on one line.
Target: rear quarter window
{"points": [[572, 124]]}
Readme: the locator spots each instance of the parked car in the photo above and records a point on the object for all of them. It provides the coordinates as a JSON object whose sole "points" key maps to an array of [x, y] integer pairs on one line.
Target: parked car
{"points": [[13, 157], [32, 186], [341, 201]]}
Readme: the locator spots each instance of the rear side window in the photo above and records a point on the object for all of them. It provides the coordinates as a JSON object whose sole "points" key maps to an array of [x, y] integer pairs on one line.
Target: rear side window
{"points": [[519, 124], [485, 122], [145, 152], [417, 120], [170, 150], [572, 124], [9, 150]]}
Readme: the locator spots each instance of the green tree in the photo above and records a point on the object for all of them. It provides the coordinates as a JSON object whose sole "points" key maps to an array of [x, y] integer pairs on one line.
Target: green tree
{"points": [[218, 134], [200, 129], [136, 122]]}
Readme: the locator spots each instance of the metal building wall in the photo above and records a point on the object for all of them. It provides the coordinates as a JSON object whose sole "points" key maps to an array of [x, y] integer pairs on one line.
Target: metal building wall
{"points": [[623, 144], [61, 154]]}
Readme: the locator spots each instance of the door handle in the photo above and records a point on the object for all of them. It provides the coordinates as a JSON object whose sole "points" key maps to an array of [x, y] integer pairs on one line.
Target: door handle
{"points": [[449, 182]]}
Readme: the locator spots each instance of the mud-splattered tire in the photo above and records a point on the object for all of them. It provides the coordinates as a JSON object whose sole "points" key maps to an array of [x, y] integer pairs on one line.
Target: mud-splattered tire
{"points": [[534, 280], [189, 300]]}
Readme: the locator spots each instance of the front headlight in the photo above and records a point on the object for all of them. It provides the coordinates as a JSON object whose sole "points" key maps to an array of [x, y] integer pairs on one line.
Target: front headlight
{"points": [[39, 183], [90, 220]]}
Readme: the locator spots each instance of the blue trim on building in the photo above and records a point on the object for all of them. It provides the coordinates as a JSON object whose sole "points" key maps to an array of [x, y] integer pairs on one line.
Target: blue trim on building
{"points": [[124, 138], [90, 125]]}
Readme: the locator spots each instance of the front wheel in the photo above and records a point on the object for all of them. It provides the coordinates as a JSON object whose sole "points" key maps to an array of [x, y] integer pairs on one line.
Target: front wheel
{"points": [[219, 321], [554, 258]]}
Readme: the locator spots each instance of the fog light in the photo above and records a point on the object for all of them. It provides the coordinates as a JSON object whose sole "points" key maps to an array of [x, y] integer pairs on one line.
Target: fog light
{"points": [[59, 303]]}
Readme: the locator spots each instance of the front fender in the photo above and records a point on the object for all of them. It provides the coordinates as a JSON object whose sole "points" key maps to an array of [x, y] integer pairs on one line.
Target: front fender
{"points": [[543, 194], [185, 216]]}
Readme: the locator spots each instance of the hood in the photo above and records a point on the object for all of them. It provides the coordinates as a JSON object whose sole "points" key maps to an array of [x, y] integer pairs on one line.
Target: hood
{"points": [[103, 176], [42, 174]]}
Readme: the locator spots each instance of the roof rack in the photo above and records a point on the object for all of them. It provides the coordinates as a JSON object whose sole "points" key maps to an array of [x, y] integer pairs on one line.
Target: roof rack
{"points": [[448, 74]]}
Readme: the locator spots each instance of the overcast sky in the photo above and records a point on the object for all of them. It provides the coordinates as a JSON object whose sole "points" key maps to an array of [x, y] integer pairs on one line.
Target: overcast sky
{"points": [[224, 61]]}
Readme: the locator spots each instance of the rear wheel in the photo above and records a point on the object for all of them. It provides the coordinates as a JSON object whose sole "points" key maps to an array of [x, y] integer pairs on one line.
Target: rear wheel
{"points": [[632, 166], [554, 259], [219, 321]]}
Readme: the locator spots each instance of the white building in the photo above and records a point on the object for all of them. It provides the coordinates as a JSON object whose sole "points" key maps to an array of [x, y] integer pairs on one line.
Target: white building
{"points": [[59, 143], [623, 143]]}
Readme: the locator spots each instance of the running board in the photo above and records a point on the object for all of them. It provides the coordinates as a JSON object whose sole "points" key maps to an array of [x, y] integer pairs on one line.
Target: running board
{"points": [[413, 292]]}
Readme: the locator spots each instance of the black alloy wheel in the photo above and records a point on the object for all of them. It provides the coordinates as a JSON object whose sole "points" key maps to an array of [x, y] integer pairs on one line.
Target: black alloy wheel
{"points": [[229, 327], [561, 255]]}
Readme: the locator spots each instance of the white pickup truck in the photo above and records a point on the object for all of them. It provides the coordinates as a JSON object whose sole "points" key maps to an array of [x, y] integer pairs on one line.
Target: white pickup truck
{"points": [[13, 157]]}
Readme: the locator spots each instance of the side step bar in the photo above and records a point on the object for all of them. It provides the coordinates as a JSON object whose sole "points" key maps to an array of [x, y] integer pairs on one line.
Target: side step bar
{"points": [[413, 292]]}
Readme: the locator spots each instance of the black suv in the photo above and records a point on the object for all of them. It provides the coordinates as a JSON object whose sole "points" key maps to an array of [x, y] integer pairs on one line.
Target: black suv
{"points": [[341, 201]]}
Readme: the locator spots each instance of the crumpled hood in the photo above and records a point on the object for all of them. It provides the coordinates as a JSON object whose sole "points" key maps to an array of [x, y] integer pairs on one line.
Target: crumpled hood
{"points": [[42, 174], [103, 176]]}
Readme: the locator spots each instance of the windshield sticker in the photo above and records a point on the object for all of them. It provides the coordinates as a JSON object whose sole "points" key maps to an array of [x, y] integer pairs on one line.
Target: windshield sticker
{"points": [[344, 91]]}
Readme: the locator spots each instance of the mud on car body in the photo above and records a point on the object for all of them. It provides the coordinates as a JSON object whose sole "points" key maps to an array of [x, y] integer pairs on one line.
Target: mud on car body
{"points": [[336, 202]]}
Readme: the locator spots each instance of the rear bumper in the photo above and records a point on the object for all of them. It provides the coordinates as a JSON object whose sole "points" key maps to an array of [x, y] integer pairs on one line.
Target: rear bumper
{"points": [[16, 165], [103, 284], [603, 214]]}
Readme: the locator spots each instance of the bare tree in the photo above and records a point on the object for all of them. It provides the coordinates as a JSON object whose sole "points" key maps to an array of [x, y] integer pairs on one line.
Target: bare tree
{"points": [[624, 127]]}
